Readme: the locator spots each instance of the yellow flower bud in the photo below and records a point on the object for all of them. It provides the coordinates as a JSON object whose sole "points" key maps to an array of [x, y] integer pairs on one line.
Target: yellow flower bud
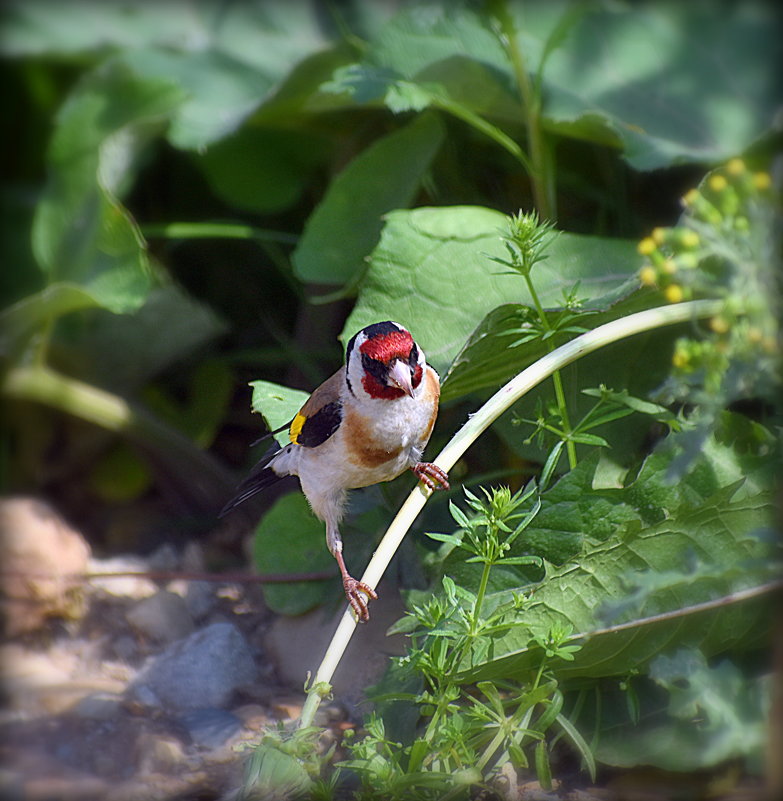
{"points": [[762, 181], [689, 239], [646, 246], [648, 276], [659, 235], [689, 198], [673, 293], [669, 266], [717, 183], [735, 167], [720, 325], [680, 359]]}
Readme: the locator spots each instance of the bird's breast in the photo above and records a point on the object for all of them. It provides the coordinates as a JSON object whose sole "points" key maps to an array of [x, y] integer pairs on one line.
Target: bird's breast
{"points": [[385, 437]]}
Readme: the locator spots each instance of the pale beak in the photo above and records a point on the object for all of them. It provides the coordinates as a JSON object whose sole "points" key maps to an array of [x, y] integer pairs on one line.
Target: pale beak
{"points": [[400, 377]]}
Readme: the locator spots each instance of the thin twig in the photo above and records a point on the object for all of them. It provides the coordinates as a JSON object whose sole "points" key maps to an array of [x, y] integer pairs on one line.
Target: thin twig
{"points": [[170, 575]]}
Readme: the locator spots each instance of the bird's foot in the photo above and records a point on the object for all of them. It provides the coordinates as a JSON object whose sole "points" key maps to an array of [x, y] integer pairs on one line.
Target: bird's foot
{"points": [[431, 475], [359, 595]]}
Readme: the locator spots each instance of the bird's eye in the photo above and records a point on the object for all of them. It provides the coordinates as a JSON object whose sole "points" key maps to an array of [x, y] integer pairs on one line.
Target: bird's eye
{"points": [[413, 359]]}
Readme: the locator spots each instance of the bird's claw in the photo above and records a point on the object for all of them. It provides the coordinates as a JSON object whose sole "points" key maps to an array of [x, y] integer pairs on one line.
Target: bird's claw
{"points": [[355, 592], [431, 475]]}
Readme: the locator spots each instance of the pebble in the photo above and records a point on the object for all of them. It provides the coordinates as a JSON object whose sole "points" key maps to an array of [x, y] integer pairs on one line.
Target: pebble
{"points": [[202, 670], [43, 558], [122, 586], [156, 753], [210, 728], [98, 706], [163, 617]]}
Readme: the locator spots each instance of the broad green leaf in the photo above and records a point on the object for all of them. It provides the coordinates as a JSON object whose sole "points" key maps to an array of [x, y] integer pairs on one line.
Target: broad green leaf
{"points": [[714, 714], [717, 533], [432, 272], [227, 60], [81, 233], [614, 76], [290, 539], [631, 79], [168, 327], [222, 92], [345, 226], [277, 404], [19, 322], [48, 27], [261, 171]]}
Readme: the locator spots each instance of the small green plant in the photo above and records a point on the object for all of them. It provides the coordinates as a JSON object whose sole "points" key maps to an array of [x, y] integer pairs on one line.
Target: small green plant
{"points": [[526, 241], [470, 734]]}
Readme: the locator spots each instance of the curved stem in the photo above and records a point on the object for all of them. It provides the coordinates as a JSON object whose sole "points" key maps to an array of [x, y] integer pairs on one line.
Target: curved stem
{"points": [[473, 428], [206, 478]]}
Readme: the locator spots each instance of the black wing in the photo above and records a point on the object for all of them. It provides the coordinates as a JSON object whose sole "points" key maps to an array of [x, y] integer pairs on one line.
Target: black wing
{"points": [[310, 432]]}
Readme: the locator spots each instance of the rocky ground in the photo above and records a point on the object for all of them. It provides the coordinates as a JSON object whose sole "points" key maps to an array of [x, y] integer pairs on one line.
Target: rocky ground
{"points": [[155, 686], [125, 687]]}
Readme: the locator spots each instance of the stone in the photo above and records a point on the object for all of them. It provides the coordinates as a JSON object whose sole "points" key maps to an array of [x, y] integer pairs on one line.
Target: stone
{"points": [[210, 728], [201, 670], [156, 753], [98, 706], [122, 586], [163, 617], [43, 560]]}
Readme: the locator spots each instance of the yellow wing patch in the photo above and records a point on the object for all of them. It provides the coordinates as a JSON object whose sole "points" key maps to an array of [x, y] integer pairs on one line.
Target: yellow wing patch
{"points": [[296, 428]]}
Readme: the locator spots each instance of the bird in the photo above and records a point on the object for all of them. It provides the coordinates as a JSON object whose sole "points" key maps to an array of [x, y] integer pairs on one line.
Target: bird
{"points": [[367, 423]]}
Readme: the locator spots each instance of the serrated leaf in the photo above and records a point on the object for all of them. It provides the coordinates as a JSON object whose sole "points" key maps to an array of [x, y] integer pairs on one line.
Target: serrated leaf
{"points": [[717, 532], [431, 271]]}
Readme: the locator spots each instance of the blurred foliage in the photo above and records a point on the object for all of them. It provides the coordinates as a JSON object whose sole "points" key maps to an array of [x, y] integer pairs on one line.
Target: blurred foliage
{"points": [[205, 194]]}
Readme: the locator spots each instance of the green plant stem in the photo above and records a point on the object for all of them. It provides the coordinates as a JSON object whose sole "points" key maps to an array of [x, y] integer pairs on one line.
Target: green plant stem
{"points": [[482, 591], [473, 428], [557, 380], [217, 231], [492, 131], [206, 478], [540, 174], [42, 345]]}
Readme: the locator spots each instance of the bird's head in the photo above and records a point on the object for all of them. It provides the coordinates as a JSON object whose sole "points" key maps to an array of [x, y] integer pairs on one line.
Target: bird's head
{"points": [[383, 361]]}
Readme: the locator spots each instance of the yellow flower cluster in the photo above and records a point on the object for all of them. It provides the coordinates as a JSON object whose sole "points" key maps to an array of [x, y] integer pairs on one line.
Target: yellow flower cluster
{"points": [[715, 222]]}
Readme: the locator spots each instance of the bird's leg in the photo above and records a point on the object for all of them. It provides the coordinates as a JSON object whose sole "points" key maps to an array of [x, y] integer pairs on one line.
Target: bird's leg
{"points": [[353, 588], [431, 475]]}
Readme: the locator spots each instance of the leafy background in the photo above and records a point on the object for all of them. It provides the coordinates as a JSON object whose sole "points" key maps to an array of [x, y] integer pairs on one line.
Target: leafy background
{"points": [[200, 195]]}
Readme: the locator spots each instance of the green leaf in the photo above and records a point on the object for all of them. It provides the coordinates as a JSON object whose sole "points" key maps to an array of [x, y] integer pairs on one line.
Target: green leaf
{"points": [[19, 322], [345, 226], [718, 533], [261, 171], [227, 61], [277, 404], [289, 539], [615, 79], [712, 713], [658, 119], [81, 233], [579, 743], [431, 272], [167, 328]]}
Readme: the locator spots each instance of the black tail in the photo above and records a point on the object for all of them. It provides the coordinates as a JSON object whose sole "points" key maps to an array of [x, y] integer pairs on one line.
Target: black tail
{"points": [[260, 477]]}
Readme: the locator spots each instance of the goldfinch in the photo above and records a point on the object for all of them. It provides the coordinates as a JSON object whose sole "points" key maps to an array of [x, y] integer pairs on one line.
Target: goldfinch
{"points": [[368, 423]]}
